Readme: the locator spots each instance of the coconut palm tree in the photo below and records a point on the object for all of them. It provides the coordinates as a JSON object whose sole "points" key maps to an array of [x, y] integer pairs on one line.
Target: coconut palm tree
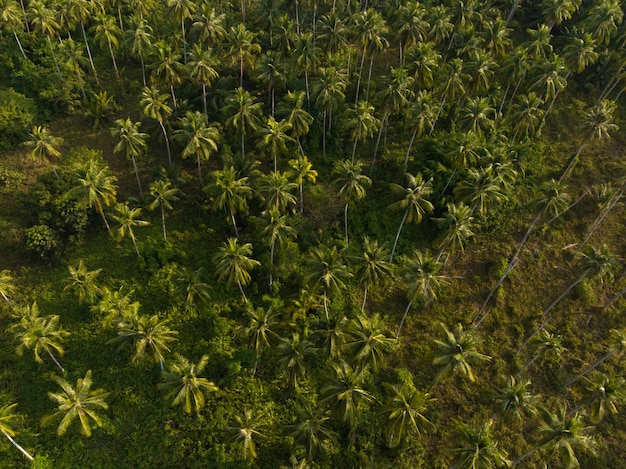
{"points": [[7, 418], [243, 48], [42, 334], [292, 355], [548, 347], [351, 185], [277, 231], [200, 138], [302, 170], [457, 353], [127, 219], [83, 282], [132, 142], [480, 189], [308, 57], [604, 394], [44, 146], [245, 429], [413, 201], [163, 194], [43, 21], [311, 430], [73, 60], [115, 308], [244, 114], [367, 344], [147, 334], [208, 25], [13, 19], [97, 187], [107, 32], [617, 347], [140, 40], [421, 113], [167, 68], [232, 192], [259, 330], [369, 28], [155, 105], [291, 108], [233, 264], [362, 123], [475, 448], [404, 413], [331, 333], [514, 398], [270, 75], [276, 190], [183, 10], [326, 268], [373, 267], [329, 87], [274, 138], [457, 227], [77, 402], [202, 69], [185, 385], [191, 285], [7, 287]]}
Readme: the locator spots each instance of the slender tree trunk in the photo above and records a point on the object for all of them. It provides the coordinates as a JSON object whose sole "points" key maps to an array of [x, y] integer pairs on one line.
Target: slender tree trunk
{"points": [[143, 69], [564, 294], [199, 167], [16, 444], [523, 456], [56, 362], [325, 306], [308, 93], [406, 311], [369, 79], [135, 245], [449, 179], [167, 142], [537, 331], [324, 133], [80, 82], [104, 218], [364, 299], [572, 162], [137, 174], [608, 305], [525, 367], [54, 58], [204, 103], [161, 365], [345, 220], [182, 25], [393, 250], [408, 150], [511, 12], [119, 18], [380, 132], [592, 367], [163, 220], [245, 298], [506, 92], [174, 97], [616, 199], [25, 16], [509, 268], [358, 82], [243, 148], [272, 261], [19, 44], [232, 217], [519, 82], [301, 198], [93, 67], [117, 72]]}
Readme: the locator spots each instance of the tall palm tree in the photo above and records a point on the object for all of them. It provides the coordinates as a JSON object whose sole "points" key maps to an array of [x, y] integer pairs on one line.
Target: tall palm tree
{"points": [[274, 138], [603, 394], [107, 32], [200, 137], [362, 123], [43, 21], [132, 142], [243, 48], [404, 413], [163, 194], [276, 189], [329, 87], [42, 334], [351, 185], [7, 418], [167, 67], [277, 230], [202, 69], [155, 105], [311, 430], [421, 113], [185, 385], [233, 264], [514, 398], [183, 10], [12, 19], [244, 114], [302, 171], [127, 219], [373, 267], [270, 75], [326, 268], [97, 187], [480, 189], [548, 347], [44, 145], [475, 448], [246, 427], [457, 227], [208, 25], [147, 334], [140, 40], [292, 355], [232, 192], [77, 402], [413, 201], [259, 330], [73, 60], [457, 353], [367, 343], [369, 28], [191, 285], [291, 108], [83, 282]]}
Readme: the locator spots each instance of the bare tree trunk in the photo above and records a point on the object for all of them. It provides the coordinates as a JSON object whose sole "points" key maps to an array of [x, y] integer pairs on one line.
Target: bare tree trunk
{"points": [[163, 219], [167, 142], [592, 367], [56, 362], [393, 250], [93, 67], [19, 44], [16, 444], [232, 217], [245, 298], [406, 311]]}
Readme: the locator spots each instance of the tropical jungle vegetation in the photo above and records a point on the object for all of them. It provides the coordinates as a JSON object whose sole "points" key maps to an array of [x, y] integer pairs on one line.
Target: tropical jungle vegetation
{"points": [[326, 234]]}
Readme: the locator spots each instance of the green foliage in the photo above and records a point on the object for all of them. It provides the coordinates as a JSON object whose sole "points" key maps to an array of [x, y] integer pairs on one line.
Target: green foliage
{"points": [[17, 113], [43, 240]]}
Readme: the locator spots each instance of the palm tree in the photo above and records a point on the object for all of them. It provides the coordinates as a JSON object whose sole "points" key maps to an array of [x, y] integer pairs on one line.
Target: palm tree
{"points": [[77, 402], [191, 285], [245, 429], [423, 279], [369, 27], [514, 397], [345, 391], [325, 268], [307, 58], [7, 418], [292, 354], [127, 219], [413, 201], [73, 59], [208, 25], [411, 26], [617, 346], [420, 112], [457, 227], [245, 114], [603, 20], [270, 75], [84, 282], [131, 142], [243, 48], [277, 231], [41, 334], [464, 153], [97, 186], [12, 19], [233, 265], [404, 413], [107, 32], [200, 137], [481, 188], [604, 394], [274, 138], [185, 385], [276, 189], [291, 107], [232, 192], [311, 430], [259, 330], [478, 115], [362, 123], [167, 67], [527, 115], [7, 287], [303, 171], [329, 88], [44, 145], [367, 344], [43, 20], [140, 42], [183, 10], [560, 434], [147, 334], [557, 11], [548, 346], [202, 69], [332, 333], [457, 352], [373, 268], [351, 184], [163, 194], [155, 105], [474, 448]]}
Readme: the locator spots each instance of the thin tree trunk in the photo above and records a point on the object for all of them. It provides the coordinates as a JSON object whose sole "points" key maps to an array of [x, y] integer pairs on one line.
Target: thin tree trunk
{"points": [[204, 103], [174, 97], [54, 58], [509, 268], [364, 298], [393, 250], [182, 24], [143, 69], [161, 365], [16, 444], [93, 67], [603, 216], [519, 82], [345, 220], [80, 82], [608, 305], [511, 12], [380, 132], [326, 306], [525, 367], [199, 167], [117, 72], [243, 148], [25, 16], [449, 179], [119, 17], [135, 245], [572, 162], [358, 82], [592, 367], [406, 311], [408, 150], [564, 294], [301, 199], [272, 261], [523, 456], [245, 298], [506, 92], [324, 133], [163, 220], [167, 142], [104, 218], [232, 217], [369, 79], [137, 174], [56, 362], [19, 44]]}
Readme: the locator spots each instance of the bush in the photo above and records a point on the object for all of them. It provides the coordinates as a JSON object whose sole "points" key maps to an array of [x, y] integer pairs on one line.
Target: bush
{"points": [[17, 113], [43, 240]]}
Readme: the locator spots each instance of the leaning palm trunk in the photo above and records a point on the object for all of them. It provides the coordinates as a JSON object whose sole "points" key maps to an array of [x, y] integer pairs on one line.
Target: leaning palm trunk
{"points": [[117, 72], [167, 142], [104, 218], [17, 445], [393, 250], [380, 132], [566, 292], [245, 298], [527, 365], [590, 368], [93, 67], [137, 174], [54, 58], [135, 245], [19, 44], [163, 221], [345, 219], [56, 362], [482, 317], [406, 312], [232, 217], [619, 193], [272, 261]]}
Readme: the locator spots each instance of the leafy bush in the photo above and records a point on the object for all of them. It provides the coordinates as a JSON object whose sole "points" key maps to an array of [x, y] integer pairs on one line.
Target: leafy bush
{"points": [[43, 240], [17, 113]]}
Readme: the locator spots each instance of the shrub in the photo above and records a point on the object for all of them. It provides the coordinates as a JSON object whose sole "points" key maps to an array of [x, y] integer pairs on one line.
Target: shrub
{"points": [[43, 240], [17, 113]]}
